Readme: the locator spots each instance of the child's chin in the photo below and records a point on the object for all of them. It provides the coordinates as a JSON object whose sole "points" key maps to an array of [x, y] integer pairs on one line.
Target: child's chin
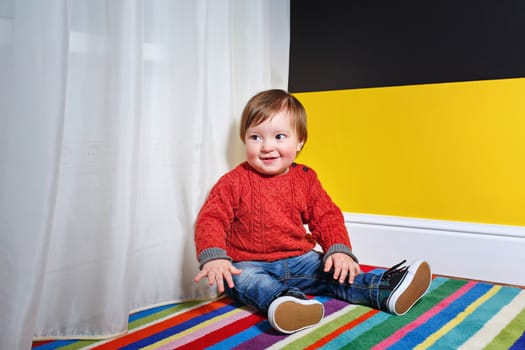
{"points": [[268, 170], [274, 172]]}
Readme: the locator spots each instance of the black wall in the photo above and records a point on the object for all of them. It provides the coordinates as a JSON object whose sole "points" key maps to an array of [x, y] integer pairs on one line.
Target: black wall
{"points": [[357, 44]]}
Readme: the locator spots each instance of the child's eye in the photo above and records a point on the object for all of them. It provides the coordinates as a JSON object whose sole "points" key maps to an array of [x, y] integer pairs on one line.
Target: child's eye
{"points": [[254, 137], [280, 136]]}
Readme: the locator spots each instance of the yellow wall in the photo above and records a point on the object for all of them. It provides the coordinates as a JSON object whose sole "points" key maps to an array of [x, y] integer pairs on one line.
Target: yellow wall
{"points": [[452, 151]]}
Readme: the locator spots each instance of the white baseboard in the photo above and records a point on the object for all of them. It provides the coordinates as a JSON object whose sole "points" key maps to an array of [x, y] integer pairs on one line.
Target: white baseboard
{"points": [[494, 253]]}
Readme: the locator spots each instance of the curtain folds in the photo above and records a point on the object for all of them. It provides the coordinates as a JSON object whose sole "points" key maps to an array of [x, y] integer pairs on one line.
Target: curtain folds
{"points": [[116, 119]]}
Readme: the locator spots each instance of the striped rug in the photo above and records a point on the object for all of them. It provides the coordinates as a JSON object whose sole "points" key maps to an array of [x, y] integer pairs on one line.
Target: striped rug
{"points": [[455, 314]]}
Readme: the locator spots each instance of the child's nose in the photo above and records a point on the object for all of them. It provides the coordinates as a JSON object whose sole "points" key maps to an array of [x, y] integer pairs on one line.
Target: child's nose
{"points": [[267, 145]]}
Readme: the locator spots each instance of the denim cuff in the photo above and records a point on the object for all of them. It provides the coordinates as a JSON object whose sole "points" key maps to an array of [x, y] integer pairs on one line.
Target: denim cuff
{"points": [[340, 248], [210, 254]]}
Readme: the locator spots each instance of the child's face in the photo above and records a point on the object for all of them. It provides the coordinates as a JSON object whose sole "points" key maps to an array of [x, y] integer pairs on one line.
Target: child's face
{"points": [[271, 147]]}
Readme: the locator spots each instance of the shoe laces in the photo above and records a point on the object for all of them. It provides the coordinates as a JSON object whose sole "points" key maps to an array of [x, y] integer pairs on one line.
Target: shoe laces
{"points": [[394, 274]]}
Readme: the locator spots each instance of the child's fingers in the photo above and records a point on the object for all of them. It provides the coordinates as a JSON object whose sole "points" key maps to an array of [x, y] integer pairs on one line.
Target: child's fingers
{"points": [[342, 275], [354, 271], [199, 276], [235, 270], [220, 285], [328, 264], [229, 280]]}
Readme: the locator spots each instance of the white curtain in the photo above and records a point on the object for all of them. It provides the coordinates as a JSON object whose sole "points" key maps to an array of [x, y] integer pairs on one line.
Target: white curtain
{"points": [[117, 116]]}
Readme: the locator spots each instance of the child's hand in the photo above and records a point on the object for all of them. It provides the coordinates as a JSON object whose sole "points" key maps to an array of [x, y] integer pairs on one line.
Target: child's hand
{"points": [[344, 266], [218, 271]]}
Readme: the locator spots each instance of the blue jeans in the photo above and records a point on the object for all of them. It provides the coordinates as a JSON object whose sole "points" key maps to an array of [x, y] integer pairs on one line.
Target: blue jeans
{"points": [[261, 282]]}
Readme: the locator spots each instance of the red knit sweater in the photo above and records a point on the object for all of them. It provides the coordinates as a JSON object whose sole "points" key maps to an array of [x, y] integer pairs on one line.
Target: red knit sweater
{"points": [[250, 216]]}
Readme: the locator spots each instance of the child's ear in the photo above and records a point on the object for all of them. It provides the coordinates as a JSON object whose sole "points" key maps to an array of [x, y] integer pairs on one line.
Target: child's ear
{"points": [[299, 146]]}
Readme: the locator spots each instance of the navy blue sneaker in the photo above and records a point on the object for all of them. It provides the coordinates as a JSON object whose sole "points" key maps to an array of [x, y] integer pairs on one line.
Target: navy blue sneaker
{"points": [[401, 287]]}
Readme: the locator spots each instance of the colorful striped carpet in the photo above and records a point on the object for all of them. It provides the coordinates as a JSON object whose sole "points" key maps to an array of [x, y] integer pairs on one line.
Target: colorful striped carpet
{"points": [[455, 314]]}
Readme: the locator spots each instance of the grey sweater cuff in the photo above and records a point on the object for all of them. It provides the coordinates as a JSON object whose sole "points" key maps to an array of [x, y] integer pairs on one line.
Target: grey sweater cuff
{"points": [[210, 254], [340, 248]]}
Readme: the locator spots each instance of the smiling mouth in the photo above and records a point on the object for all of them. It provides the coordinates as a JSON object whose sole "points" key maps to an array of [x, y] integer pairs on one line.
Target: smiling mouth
{"points": [[269, 159]]}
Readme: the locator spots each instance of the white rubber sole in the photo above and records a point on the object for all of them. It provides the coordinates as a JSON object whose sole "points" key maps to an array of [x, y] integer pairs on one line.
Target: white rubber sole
{"points": [[415, 284]]}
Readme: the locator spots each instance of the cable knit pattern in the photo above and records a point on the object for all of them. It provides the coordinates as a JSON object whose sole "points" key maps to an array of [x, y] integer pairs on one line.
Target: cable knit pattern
{"points": [[251, 216]]}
